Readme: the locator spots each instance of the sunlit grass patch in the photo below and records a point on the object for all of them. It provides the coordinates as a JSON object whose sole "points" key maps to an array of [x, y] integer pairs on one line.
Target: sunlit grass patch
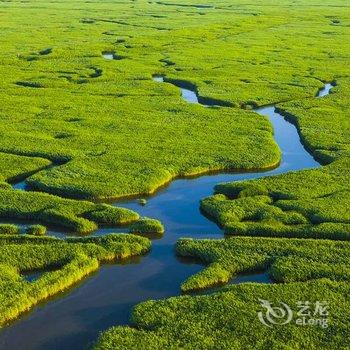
{"points": [[81, 217], [287, 260], [229, 320], [66, 261]]}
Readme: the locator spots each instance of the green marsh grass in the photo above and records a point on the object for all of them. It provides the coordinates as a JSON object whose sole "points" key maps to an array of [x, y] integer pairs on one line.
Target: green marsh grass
{"points": [[82, 217], [113, 132], [287, 260], [73, 259], [228, 320]]}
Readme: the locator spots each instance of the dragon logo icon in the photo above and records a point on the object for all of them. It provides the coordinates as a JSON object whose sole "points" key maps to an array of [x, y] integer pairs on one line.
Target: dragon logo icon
{"points": [[274, 315]]}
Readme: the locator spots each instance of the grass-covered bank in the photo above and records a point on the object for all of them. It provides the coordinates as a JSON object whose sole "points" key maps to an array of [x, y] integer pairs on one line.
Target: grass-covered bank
{"points": [[153, 162], [72, 215], [228, 320], [311, 203], [286, 260], [64, 263], [308, 204], [15, 167], [12, 229], [306, 270]]}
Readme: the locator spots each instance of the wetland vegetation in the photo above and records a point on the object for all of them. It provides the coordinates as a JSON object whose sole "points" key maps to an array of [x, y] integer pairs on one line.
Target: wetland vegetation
{"points": [[73, 259], [95, 108]]}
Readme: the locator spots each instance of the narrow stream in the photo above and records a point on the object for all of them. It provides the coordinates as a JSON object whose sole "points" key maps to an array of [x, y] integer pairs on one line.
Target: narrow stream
{"points": [[106, 298], [188, 95]]}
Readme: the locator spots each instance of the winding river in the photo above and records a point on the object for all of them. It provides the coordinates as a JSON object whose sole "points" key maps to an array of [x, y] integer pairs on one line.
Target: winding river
{"points": [[105, 299]]}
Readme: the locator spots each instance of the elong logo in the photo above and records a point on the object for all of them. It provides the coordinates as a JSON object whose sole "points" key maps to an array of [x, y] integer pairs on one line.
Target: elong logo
{"points": [[282, 314], [275, 315]]}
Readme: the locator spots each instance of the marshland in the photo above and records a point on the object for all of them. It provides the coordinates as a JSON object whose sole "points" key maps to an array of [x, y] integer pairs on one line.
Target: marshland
{"points": [[166, 165]]}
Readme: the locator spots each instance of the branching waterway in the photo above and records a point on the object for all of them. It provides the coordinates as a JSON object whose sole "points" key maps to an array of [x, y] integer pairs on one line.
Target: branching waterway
{"points": [[105, 299]]}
